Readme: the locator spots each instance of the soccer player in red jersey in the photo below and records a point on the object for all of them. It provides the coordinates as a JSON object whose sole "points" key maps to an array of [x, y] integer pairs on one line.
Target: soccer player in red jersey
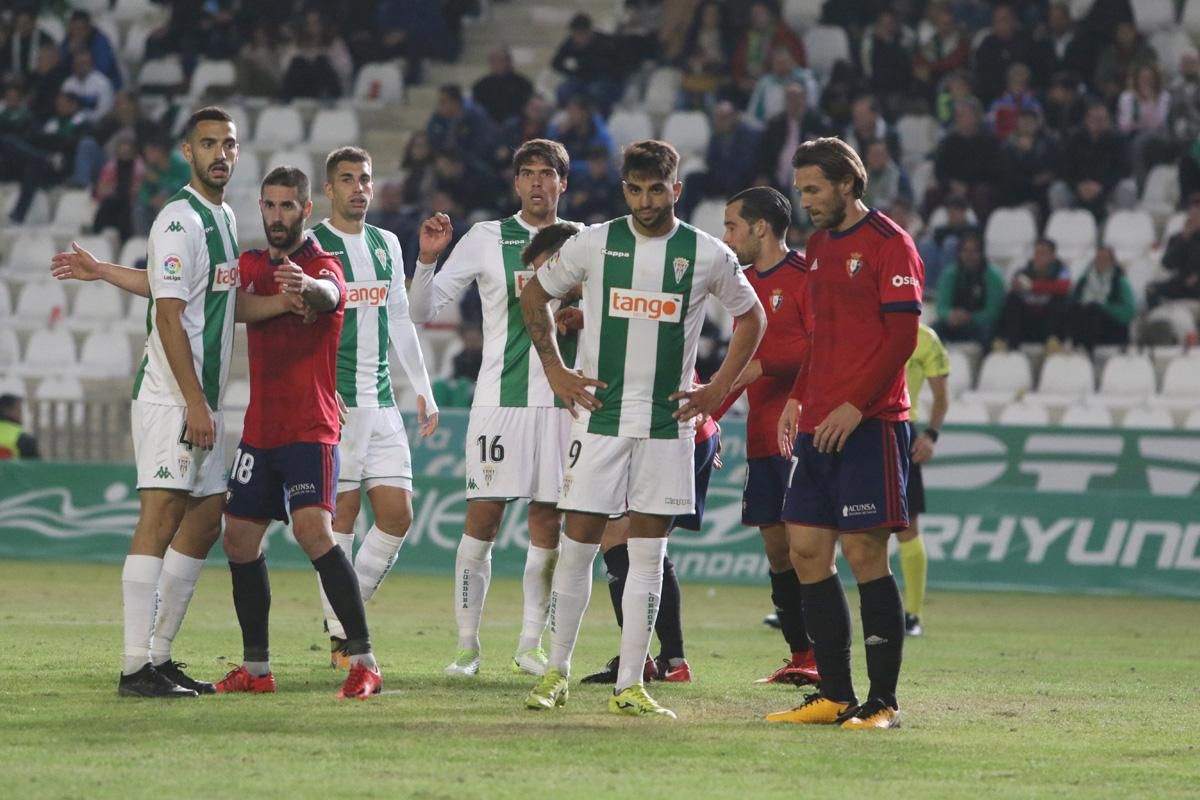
{"points": [[287, 461], [756, 223], [849, 416]]}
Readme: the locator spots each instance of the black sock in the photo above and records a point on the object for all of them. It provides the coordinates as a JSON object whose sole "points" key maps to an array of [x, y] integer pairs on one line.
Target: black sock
{"points": [[341, 587], [617, 562], [785, 594], [883, 631], [252, 602], [827, 617], [669, 625]]}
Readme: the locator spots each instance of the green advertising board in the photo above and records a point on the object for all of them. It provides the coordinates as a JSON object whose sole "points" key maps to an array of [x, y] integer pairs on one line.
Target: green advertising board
{"points": [[1033, 509]]}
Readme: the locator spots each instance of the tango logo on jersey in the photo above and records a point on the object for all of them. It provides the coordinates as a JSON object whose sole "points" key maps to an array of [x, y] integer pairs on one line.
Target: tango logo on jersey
{"points": [[520, 278], [366, 293], [858, 509], [680, 266], [776, 299], [172, 268], [225, 277], [903, 280], [654, 306], [853, 264]]}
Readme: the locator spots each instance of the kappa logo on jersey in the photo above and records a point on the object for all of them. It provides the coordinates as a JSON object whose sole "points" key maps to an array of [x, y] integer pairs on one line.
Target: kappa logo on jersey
{"points": [[365, 294], [903, 280], [853, 264], [226, 277], [513, 242], [172, 268], [175, 227], [776, 299], [520, 278], [616, 253], [653, 306], [163, 473], [680, 265]]}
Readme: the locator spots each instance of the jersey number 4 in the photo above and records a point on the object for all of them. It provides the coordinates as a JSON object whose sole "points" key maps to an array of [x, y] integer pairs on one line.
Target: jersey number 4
{"points": [[495, 449]]}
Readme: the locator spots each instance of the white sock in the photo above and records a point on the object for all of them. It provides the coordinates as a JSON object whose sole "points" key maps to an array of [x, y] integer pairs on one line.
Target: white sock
{"points": [[639, 606], [367, 660], [176, 585], [346, 542], [375, 559], [257, 668], [539, 571], [139, 587], [472, 574], [569, 595]]}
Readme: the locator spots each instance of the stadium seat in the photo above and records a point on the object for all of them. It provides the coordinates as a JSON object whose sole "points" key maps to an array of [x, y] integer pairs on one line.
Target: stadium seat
{"points": [[244, 202], [209, 75], [1160, 198], [967, 413], [74, 212], [1190, 18], [1148, 418], [1127, 381], [662, 91], [96, 304], [98, 245], [709, 217], [801, 15], [1086, 416], [291, 157], [135, 315], [1130, 233], [825, 45], [1175, 223], [10, 349], [1065, 379], [689, 131], [630, 125], [39, 209], [278, 126], [106, 354], [136, 247], [241, 120], [1009, 236], [1180, 385], [1153, 15], [30, 254], [39, 300], [49, 351], [919, 134], [961, 375], [1192, 421], [5, 300], [130, 10], [248, 173], [1005, 372], [133, 49], [1170, 45], [334, 127], [1140, 273], [380, 83], [65, 388], [1024, 413], [161, 75], [1074, 233], [13, 384]]}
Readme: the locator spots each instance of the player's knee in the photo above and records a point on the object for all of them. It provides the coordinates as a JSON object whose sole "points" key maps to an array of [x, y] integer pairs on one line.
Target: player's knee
{"points": [[395, 522], [865, 554]]}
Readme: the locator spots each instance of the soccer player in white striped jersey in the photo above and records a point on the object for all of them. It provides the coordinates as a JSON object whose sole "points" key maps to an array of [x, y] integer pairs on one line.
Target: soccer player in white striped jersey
{"points": [[191, 279], [374, 450], [645, 280], [516, 435]]}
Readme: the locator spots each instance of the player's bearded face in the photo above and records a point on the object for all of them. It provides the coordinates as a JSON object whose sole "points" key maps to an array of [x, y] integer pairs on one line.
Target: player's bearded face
{"points": [[284, 235], [213, 150], [652, 201], [824, 200], [351, 191], [740, 236]]}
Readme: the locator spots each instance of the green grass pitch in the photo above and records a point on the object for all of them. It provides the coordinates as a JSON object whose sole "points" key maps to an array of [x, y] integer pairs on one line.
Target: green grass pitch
{"points": [[1007, 696]]}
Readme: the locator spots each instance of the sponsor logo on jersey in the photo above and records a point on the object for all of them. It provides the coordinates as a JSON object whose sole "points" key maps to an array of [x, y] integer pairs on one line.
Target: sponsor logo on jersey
{"points": [[301, 488], [653, 306], [175, 227], [513, 242], [776, 299], [226, 277], [858, 509], [679, 501], [680, 265], [472, 485], [853, 264], [172, 268], [616, 253], [903, 280], [520, 278], [364, 294], [815, 264]]}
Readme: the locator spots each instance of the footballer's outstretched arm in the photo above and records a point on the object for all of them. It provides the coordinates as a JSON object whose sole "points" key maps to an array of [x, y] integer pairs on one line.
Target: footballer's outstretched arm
{"points": [[80, 265], [321, 294]]}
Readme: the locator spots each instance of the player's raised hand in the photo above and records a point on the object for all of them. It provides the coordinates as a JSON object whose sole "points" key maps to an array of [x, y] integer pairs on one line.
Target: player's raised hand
{"points": [[703, 399], [786, 429], [833, 431], [426, 423], [76, 264], [568, 319], [571, 387], [289, 277], [435, 236]]}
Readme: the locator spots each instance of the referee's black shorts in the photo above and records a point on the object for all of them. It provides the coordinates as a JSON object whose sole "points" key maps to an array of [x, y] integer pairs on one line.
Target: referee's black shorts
{"points": [[915, 486]]}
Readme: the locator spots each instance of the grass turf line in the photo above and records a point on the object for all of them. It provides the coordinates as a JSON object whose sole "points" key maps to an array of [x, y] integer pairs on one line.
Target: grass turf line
{"points": [[1007, 696]]}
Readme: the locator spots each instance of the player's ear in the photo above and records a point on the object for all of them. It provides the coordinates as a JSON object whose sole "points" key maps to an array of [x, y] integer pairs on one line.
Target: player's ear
{"points": [[307, 209]]}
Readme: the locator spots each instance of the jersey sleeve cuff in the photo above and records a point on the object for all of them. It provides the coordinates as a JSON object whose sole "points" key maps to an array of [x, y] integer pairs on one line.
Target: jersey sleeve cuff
{"points": [[906, 307], [423, 265]]}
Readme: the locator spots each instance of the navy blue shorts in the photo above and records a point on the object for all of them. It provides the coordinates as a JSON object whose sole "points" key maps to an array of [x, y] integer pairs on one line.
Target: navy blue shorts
{"points": [[265, 483], [766, 486], [706, 453], [859, 489]]}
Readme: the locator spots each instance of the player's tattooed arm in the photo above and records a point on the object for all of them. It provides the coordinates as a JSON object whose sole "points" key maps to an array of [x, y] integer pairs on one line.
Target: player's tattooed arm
{"points": [[321, 295], [256, 308], [80, 265], [570, 387]]}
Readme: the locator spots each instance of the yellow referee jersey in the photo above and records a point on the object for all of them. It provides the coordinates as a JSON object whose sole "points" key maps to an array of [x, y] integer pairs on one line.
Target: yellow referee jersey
{"points": [[929, 360]]}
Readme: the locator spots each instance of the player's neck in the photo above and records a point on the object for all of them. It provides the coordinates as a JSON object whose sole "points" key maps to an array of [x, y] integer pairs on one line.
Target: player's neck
{"points": [[280, 253], [666, 227], [354, 227], [769, 256], [214, 196], [535, 221], [854, 215]]}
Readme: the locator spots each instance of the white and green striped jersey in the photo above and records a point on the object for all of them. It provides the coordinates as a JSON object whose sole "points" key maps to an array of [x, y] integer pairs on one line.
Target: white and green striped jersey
{"points": [[193, 256], [490, 255], [643, 307], [376, 318]]}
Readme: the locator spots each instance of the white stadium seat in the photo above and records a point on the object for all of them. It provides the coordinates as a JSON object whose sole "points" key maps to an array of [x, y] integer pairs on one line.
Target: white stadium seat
{"points": [[1192, 421], [208, 74], [50, 351], [380, 83], [662, 90], [1153, 15], [136, 248], [1175, 223], [13, 384], [129, 10], [334, 127], [1009, 237], [241, 121], [248, 173], [30, 254], [689, 131], [961, 378], [75, 211], [1182, 378], [278, 126], [1161, 196], [1127, 381], [919, 134], [65, 388], [291, 157], [106, 354], [38, 301], [98, 245], [1130, 233], [802, 14], [1190, 18], [1086, 416], [161, 73], [630, 125], [1024, 413], [1074, 233], [1148, 418], [965, 412], [1005, 372], [825, 45], [5, 300], [96, 304], [1067, 373], [133, 49], [10, 349], [709, 217]]}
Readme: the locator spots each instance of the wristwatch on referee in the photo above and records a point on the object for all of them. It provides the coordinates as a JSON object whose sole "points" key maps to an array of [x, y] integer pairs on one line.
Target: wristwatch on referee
{"points": [[932, 433]]}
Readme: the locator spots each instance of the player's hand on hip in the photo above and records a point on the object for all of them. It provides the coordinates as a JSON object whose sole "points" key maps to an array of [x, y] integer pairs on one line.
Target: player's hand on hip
{"points": [[342, 411], [201, 426], [76, 264], [700, 400], [568, 319], [830, 436], [750, 374], [571, 387], [922, 449], [289, 277], [427, 422], [786, 428], [435, 236]]}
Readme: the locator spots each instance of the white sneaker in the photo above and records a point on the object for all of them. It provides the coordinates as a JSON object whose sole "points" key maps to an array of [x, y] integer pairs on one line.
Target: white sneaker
{"points": [[465, 663], [532, 661]]}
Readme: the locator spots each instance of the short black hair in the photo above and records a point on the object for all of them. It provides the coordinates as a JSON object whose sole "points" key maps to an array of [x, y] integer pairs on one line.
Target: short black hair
{"points": [[355, 155], [292, 177], [580, 22], [206, 114], [551, 152], [1053, 245], [766, 204], [452, 91], [548, 240], [650, 158]]}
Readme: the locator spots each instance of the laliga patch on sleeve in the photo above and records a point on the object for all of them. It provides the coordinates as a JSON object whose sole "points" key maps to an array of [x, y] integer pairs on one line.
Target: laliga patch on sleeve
{"points": [[172, 268], [326, 273]]}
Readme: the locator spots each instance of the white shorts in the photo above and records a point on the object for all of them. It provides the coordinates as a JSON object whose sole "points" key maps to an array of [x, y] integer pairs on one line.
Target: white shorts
{"points": [[374, 450], [163, 462], [516, 452], [612, 474]]}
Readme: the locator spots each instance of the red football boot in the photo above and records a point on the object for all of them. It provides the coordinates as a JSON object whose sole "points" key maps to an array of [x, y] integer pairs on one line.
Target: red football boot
{"points": [[240, 681], [801, 670], [362, 682]]}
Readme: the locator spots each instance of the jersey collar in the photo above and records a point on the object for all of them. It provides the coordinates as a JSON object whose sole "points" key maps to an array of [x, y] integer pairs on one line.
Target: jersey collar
{"points": [[841, 234], [788, 257]]}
